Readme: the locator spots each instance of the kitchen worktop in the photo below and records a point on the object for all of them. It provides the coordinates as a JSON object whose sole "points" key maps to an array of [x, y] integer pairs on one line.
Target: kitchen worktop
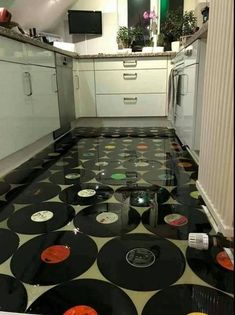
{"points": [[23, 38], [201, 33]]}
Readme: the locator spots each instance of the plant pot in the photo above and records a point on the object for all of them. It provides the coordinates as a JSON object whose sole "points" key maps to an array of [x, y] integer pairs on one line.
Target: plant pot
{"points": [[147, 49], [175, 46], [158, 49]]}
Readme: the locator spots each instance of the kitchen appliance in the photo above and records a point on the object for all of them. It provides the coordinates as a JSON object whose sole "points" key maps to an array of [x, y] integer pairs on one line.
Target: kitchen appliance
{"points": [[64, 75], [5, 15], [189, 74]]}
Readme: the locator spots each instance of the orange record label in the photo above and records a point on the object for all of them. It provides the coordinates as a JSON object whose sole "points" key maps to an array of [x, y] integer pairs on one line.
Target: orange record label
{"points": [[197, 313], [223, 260], [142, 146], [184, 164], [55, 254], [81, 310]]}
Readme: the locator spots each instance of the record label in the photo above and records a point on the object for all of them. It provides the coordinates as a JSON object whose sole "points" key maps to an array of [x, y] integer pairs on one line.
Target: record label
{"points": [[118, 176], [142, 147], [42, 216], [127, 140], [87, 193], [141, 164], [36, 192], [72, 176], [110, 147], [81, 310], [61, 163], [140, 257], [101, 163], [195, 194], [176, 219], [197, 313], [184, 164], [107, 217], [223, 260], [88, 154], [55, 254]]}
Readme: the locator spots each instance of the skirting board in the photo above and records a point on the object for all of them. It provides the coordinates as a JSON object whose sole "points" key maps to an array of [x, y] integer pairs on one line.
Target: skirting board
{"points": [[227, 231]]}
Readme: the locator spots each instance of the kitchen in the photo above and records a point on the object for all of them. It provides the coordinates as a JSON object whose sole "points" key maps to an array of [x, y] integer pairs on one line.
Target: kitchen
{"points": [[126, 114]]}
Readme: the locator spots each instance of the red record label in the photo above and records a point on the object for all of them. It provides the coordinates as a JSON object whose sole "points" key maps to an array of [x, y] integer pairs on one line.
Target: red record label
{"points": [[176, 219], [223, 260], [55, 254], [81, 310], [142, 146]]}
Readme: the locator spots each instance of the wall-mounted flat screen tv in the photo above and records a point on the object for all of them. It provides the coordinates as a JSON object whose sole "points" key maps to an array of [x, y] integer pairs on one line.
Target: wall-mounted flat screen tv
{"points": [[85, 22]]}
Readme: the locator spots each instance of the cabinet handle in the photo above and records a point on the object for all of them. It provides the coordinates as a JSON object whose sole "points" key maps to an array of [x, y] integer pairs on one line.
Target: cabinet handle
{"points": [[54, 83], [27, 84], [130, 63], [130, 99], [129, 76], [77, 82]]}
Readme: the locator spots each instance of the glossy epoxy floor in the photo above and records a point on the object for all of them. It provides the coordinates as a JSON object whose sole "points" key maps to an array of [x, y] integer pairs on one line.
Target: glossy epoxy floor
{"points": [[97, 224]]}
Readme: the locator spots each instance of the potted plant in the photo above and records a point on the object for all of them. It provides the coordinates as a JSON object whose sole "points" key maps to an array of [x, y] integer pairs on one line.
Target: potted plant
{"points": [[160, 42], [124, 37], [177, 25]]}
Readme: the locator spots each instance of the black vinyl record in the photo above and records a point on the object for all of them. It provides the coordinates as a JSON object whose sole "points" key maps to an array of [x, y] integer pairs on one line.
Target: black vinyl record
{"points": [[117, 177], [71, 176], [5, 210], [24, 176], [13, 296], [101, 164], [184, 164], [36, 192], [189, 299], [62, 164], [141, 164], [188, 195], [41, 218], [4, 187], [53, 258], [107, 219], [213, 267], [141, 262], [9, 242], [84, 297], [175, 221], [31, 163], [86, 194], [142, 195], [166, 177], [194, 176]]}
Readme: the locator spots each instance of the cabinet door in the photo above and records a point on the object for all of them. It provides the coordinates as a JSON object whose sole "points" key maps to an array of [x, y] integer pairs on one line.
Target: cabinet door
{"points": [[87, 94], [45, 101], [15, 108], [76, 92]]}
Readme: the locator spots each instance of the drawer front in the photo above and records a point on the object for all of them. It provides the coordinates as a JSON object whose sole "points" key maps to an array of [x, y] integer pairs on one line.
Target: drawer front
{"points": [[39, 56], [131, 105], [12, 50], [139, 81], [131, 63], [84, 64]]}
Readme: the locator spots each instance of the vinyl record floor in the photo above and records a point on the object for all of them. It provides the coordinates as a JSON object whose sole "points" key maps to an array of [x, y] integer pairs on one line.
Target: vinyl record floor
{"points": [[97, 224]]}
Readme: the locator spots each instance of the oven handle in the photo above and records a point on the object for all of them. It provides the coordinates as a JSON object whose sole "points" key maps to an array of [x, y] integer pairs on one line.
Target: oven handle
{"points": [[185, 86]]}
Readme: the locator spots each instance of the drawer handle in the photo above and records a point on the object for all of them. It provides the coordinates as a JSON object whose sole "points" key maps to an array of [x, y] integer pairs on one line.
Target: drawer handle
{"points": [[129, 75], [130, 63], [130, 99]]}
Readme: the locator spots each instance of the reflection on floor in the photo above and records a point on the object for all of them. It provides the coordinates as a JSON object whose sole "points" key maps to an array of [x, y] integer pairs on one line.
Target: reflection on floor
{"points": [[97, 224]]}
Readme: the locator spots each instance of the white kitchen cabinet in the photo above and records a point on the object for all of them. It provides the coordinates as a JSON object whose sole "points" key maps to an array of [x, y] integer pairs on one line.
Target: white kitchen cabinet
{"points": [[29, 101], [44, 101], [84, 88], [16, 109], [131, 87]]}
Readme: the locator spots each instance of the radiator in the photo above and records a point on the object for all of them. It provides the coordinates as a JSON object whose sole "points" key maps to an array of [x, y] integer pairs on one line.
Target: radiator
{"points": [[215, 178]]}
